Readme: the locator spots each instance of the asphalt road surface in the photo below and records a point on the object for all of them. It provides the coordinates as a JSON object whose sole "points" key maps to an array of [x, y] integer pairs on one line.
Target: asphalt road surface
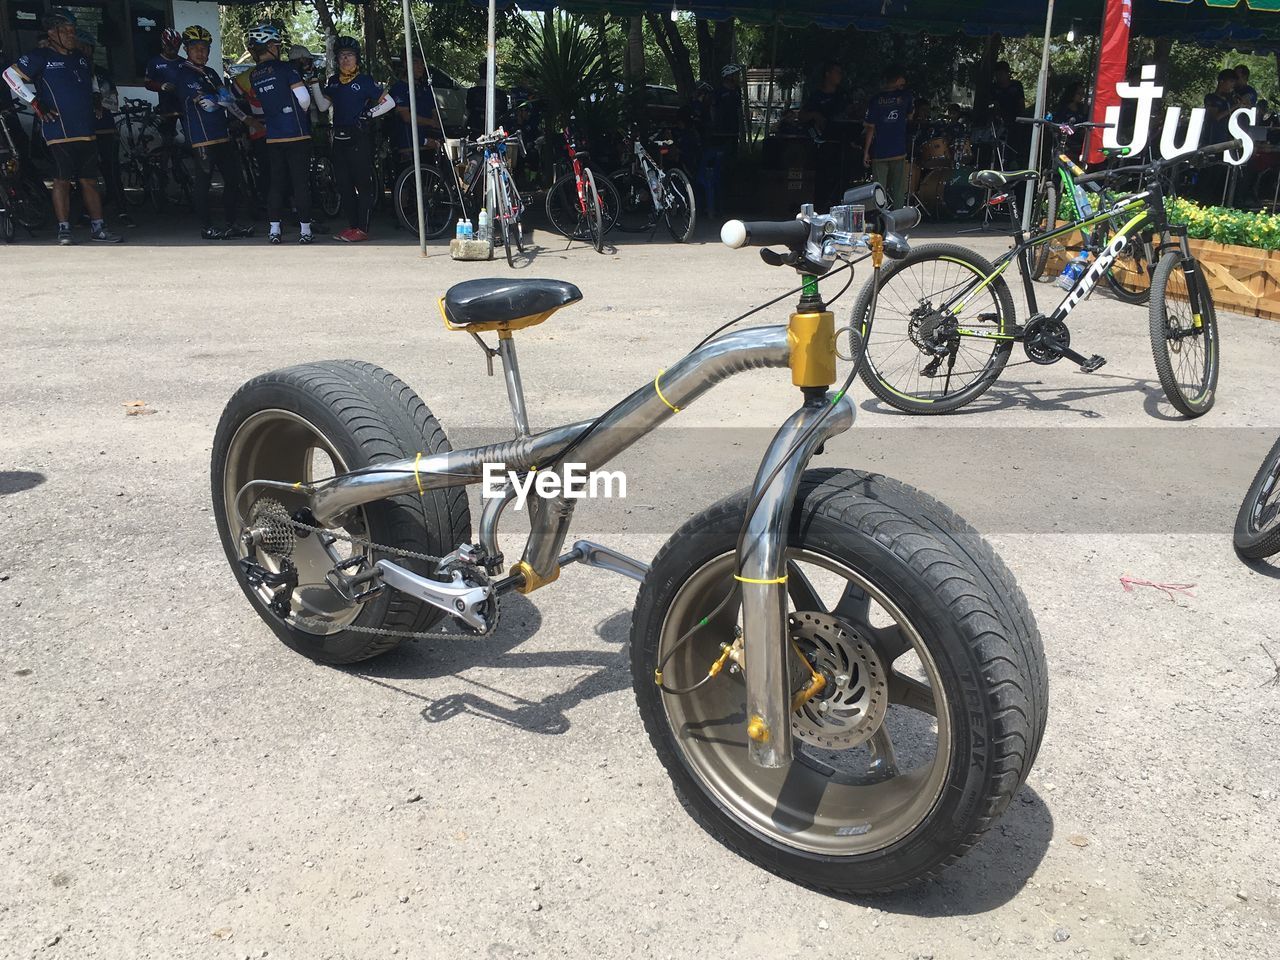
{"points": [[175, 783]]}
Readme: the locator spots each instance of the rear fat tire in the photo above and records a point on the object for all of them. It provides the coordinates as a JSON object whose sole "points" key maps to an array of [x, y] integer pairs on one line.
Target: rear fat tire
{"points": [[945, 579], [370, 416], [1254, 544]]}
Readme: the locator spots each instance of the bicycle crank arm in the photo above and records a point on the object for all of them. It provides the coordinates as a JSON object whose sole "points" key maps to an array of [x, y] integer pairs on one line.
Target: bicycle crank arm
{"points": [[465, 602], [592, 554]]}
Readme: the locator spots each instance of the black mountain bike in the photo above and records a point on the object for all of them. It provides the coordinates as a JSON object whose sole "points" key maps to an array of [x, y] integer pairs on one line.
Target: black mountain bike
{"points": [[1257, 533], [946, 321], [1056, 199], [22, 203]]}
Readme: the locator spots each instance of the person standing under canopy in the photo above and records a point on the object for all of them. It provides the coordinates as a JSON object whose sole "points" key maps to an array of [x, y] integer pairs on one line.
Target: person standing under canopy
{"points": [[357, 99], [285, 105], [884, 143], [430, 132]]}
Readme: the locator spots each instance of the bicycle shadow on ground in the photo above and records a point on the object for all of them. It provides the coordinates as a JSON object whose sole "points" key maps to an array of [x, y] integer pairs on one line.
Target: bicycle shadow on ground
{"points": [[1035, 395], [597, 672], [988, 876], [16, 481]]}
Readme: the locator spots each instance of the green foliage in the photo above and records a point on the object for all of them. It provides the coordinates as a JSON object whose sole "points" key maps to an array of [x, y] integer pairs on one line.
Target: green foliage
{"points": [[1224, 225], [561, 60]]}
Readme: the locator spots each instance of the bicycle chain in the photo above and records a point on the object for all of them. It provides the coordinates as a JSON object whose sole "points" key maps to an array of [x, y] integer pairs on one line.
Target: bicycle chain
{"points": [[295, 620]]}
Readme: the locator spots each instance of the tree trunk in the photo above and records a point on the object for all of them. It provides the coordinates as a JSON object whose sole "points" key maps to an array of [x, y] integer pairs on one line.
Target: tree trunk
{"points": [[633, 63], [725, 36], [1164, 45], [677, 54], [982, 80], [707, 53], [601, 21], [325, 17]]}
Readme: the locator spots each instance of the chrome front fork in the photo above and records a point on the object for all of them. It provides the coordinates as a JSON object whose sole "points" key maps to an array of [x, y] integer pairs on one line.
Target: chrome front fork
{"points": [[762, 574]]}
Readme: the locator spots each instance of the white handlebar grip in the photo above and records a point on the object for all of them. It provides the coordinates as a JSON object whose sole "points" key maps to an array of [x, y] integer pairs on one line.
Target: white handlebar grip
{"points": [[734, 234]]}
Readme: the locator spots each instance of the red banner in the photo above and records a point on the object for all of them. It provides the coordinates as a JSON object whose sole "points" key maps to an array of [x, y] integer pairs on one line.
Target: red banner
{"points": [[1113, 61]]}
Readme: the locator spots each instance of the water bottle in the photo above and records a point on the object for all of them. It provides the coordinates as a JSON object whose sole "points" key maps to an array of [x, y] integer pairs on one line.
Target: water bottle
{"points": [[1084, 208], [483, 225], [460, 231], [1073, 271], [468, 231]]}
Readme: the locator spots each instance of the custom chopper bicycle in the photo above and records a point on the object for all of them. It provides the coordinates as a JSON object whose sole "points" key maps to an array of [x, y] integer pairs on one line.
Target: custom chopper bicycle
{"points": [[839, 675]]}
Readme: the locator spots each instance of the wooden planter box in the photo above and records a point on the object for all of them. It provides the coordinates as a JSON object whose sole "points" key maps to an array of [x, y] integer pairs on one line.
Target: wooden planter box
{"points": [[1242, 279]]}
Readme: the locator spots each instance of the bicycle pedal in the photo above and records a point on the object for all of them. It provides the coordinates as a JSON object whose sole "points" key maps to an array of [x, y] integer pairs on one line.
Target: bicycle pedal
{"points": [[1093, 363]]}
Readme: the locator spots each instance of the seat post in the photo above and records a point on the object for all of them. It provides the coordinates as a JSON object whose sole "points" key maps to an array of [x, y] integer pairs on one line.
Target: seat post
{"points": [[511, 373]]}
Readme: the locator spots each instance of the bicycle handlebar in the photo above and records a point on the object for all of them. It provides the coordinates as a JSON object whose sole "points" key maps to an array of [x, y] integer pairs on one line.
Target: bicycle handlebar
{"points": [[1045, 121], [1141, 168], [792, 234]]}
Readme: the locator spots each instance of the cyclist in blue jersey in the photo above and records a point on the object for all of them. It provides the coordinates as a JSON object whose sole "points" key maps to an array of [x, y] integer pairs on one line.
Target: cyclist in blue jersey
{"points": [[105, 103], [58, 82], [205, 105], [162, 80], [356, 99], [285, 105], [430, 131]]}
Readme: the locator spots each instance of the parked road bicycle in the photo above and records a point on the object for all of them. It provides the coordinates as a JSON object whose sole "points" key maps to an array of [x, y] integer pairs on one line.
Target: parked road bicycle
{"points": [[648, 192], [1257, 531], [155, 169], [839, 675], [947, 321], [582, 204], [1055, 199], [450, 191]]}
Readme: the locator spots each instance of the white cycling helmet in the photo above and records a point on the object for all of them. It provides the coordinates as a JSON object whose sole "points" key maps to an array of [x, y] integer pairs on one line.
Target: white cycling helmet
{"points": [[730, 69], [262, 34]]}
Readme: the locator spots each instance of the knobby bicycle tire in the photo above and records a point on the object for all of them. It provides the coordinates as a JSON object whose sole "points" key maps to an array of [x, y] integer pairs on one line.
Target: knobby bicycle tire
{"points": [[1188, 374], [895, 394], [1046, 211]]}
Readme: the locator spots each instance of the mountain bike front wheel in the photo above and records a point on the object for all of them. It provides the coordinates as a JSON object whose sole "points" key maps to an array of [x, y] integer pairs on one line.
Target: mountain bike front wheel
{"points": [[1129, 274], [635, 209], [1257, 532], [1184, 334], [932, 347], [681, 214]]}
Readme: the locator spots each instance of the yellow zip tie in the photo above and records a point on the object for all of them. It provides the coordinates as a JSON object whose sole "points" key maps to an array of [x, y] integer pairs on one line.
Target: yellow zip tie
{"points": [[781, 579], [673, 407], [416, 475], [298, 485]]}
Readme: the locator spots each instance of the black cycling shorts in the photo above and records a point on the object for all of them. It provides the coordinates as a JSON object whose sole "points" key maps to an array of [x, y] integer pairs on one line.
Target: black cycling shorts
{"points": [[76, 160]]}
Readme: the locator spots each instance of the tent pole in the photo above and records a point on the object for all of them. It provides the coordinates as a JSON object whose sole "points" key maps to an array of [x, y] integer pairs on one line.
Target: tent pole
{"points": [[490, 92], [1042, 89], [413, 127], [773, 68]]}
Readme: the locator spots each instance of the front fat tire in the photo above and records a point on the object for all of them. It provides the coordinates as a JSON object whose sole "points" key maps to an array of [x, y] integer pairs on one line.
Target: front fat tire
{"points": [[371, 417], [977, 628]]}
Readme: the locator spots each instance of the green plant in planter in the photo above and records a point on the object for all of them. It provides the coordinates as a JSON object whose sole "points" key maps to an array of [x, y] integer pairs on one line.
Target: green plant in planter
{"points": [[1224, 225]]}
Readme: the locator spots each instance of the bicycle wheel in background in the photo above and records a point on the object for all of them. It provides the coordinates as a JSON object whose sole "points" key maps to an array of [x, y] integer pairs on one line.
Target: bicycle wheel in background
{"points": [[610, 201], [503, 218], [635, 202], [1183, 340], [594, 214], [563, 210], [1134, 262], [681, 214], [6, 227], [515, 208], [440, 206], [1044, 217], [29, 205], [1257, 532], [915, 358], [324, 187]]}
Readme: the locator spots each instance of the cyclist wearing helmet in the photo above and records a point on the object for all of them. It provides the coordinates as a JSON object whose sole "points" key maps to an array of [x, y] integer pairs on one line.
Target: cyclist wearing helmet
{"points": [[429, 129], [356, 99], [285, 102], [105, 103], [205, 105], [58, 82], [162, 79]]}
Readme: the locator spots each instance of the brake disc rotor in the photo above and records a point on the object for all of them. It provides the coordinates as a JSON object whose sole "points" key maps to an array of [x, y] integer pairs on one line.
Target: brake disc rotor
{"points": [[852, 705]]}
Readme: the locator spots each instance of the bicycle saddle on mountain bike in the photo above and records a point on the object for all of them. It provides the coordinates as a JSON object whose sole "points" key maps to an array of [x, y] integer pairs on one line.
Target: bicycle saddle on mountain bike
{"points": [[495, 303], [999, 179]]}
